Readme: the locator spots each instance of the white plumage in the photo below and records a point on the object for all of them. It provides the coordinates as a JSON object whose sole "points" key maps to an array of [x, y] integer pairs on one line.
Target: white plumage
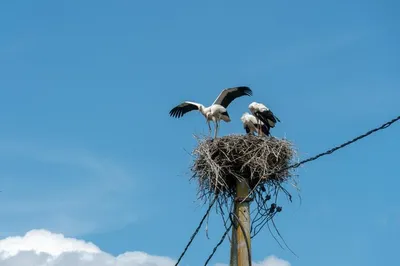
{"points": [[263, 114], [252, 125], [249, 123], [217, 111]]}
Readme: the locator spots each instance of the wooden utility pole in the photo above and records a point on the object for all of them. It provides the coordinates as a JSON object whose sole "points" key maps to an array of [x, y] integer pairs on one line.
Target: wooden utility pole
{"points": [[241, 242], [234, 259]]}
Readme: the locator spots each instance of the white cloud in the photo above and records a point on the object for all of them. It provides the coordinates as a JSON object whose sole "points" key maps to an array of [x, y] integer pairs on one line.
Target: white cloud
{"points": [[44, 241], [272, 261], [44, 248], [268, 261]]}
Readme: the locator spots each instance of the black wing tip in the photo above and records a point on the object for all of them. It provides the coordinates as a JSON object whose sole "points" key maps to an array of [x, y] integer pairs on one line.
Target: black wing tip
{"points": [[175, 112], [260, 116], [179, 110], [273, 117], [246, 90]]}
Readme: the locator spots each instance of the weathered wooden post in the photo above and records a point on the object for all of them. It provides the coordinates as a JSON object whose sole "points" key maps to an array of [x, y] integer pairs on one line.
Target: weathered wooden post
{"points": [[241, 241]]}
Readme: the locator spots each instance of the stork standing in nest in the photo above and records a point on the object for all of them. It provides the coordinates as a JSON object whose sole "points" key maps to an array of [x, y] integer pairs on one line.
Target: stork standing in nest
{"points": [[264, 115], [251, 124], [215, 112]]}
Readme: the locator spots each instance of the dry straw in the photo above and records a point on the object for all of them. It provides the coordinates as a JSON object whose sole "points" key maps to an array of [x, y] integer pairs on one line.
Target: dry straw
{"points": [[220, 162]]}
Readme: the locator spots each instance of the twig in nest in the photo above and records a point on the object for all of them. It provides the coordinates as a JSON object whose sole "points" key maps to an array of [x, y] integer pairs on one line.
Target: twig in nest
{"points": [[220, 163]]}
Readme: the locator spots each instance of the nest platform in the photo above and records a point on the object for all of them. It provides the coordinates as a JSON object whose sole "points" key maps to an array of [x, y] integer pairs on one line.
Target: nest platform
{"points": [[262, 162], [220, 163]]}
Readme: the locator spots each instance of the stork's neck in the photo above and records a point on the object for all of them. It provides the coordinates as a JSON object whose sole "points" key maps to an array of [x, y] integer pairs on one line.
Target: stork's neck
{"points": [[204, 110]]}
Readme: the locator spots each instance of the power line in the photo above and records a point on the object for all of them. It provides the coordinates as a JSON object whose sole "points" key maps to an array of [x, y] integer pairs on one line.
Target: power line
{"points": [[218, 244], [296, 165], [385, 125], [196, 231]]}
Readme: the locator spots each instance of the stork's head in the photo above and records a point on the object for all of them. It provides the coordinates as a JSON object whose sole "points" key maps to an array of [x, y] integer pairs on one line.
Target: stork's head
{"points": [[244, 117], [252, 106]]}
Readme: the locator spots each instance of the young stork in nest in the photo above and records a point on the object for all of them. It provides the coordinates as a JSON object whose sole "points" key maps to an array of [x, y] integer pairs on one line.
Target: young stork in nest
{"points": [[215, 112], [263, 114], [251, 124]]}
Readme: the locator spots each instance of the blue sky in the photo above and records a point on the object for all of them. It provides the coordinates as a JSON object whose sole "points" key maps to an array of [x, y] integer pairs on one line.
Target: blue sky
{"points": [[87, 148]]}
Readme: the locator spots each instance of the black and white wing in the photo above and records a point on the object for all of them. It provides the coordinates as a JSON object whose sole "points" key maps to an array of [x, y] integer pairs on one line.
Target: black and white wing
{"points": [[183, 108], [264, 127], [230, 94], [267, 117]]}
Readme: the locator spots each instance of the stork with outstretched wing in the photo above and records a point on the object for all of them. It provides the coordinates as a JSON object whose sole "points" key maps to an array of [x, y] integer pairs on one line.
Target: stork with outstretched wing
{"points": [[215, 112]]}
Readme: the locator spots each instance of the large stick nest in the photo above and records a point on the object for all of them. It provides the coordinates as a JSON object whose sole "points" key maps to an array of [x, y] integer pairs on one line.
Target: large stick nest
{"points": [[262, 162], [221, 162]]}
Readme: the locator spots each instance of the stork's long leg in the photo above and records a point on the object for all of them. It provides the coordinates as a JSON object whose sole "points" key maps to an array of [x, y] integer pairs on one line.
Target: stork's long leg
{"points": [[260, 133], [216, 129], [215, 126], [209, 128]]}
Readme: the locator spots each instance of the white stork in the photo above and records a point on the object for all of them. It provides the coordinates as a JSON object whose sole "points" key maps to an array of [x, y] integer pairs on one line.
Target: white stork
{"points": [[263, 114], [251, 124], [217, 111]]}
